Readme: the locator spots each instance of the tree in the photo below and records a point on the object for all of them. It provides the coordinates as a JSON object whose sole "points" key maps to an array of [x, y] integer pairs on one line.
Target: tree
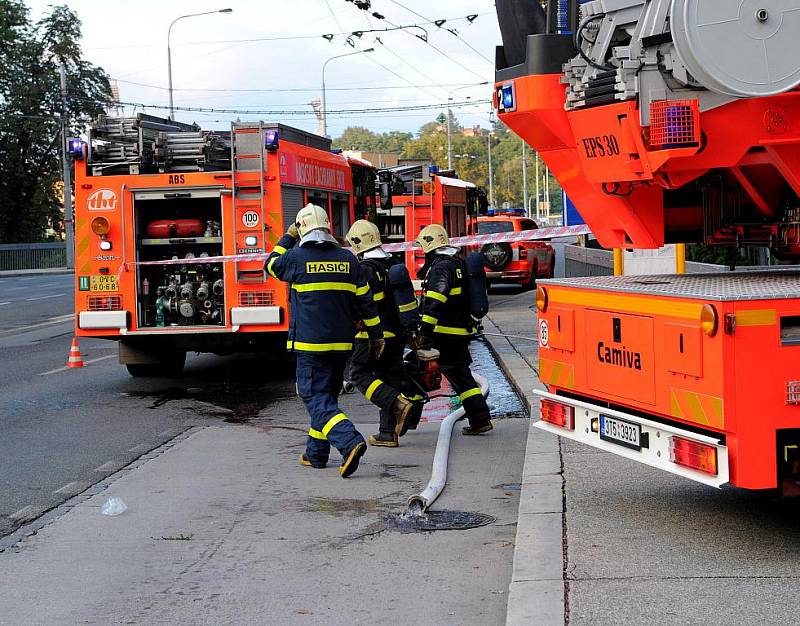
{"points": [[30, 106]]}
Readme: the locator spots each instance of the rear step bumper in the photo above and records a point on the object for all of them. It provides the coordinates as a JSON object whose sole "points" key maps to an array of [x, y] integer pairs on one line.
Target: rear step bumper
{"points": [[656, 439]]}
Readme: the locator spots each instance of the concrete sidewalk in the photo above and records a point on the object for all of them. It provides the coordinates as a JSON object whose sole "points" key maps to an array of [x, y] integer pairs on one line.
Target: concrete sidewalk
{"points": [[225, 527], [35, 272], [537, 594]]}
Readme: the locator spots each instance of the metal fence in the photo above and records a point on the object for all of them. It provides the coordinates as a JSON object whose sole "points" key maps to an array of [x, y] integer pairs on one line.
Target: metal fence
{"points": [[579, 261], [32, 256]]}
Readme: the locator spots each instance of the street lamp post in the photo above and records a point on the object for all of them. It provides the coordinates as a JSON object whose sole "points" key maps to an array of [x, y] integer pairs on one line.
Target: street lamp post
{"points": [[450, 114], [324, 103], [169, 51]]}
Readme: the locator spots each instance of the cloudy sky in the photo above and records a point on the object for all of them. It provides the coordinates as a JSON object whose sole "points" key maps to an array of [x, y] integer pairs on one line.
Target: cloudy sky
{"points": [[284, 49]]}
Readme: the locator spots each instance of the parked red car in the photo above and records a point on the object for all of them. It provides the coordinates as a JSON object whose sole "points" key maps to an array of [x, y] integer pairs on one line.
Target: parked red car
{"points": [[520, 262]]}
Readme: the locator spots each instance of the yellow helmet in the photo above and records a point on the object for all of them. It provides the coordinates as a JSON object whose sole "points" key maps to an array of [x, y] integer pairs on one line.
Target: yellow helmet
{"points": [[312, 217], [363, 236], [433, 237]]}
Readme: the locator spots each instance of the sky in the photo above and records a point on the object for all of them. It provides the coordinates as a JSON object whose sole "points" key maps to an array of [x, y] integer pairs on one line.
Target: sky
{"points": [[213, 68]]}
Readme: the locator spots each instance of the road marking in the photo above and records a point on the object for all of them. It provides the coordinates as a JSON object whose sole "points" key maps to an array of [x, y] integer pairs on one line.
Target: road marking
{"points": [[28, 513], [111, 466], [3, 303], [55, 295], [89, 362], [53, 320], [71, 489]]}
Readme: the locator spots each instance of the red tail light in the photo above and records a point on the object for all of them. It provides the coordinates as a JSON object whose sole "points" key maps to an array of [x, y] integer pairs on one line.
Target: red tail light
{"points": [[104, 303], [698, 456], [558, 414]]}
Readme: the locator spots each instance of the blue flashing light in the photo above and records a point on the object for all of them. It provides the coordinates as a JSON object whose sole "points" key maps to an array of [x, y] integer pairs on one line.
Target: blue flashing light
{"points": [[75, 147], [433, 170], [336, 151], [271, 139]]}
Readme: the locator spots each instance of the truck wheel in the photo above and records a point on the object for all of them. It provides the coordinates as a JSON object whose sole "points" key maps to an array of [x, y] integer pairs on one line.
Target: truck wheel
{"points": [[496, 255], [170, 367]]}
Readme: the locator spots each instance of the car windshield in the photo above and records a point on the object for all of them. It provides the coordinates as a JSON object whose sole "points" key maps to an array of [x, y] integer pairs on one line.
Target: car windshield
{"points": [[489, 228]]}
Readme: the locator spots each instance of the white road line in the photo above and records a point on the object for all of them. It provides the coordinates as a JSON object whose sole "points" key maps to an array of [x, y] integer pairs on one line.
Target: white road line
{"points": [[111, 466], [28, 513], [70, 489], [89, 362], [55, 295], [4, 303], [53, 320]]}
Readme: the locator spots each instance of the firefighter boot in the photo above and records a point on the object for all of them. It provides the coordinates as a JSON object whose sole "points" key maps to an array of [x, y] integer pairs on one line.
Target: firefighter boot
{"points": [[306, 463], [352, 458], [401, 409], [478, 430], [383, 440]]}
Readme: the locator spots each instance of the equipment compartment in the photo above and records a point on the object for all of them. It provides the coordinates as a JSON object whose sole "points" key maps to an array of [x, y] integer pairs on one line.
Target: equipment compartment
{"points": [[188, 294]]}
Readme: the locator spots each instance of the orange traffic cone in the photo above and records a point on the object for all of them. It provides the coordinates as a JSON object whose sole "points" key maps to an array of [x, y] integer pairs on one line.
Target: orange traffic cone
{"points": [[75, 359]]}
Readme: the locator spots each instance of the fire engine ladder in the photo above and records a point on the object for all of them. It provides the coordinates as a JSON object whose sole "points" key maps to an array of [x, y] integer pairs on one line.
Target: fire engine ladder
{"points": [[248, 165]]}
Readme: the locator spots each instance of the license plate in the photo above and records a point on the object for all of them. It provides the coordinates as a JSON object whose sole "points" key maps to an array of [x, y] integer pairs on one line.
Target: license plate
{"points": [[621, 432], [103, 283]]}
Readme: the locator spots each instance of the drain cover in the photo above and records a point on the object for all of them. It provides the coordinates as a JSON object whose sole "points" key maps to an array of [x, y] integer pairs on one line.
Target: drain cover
{"points": [[437, 520]]}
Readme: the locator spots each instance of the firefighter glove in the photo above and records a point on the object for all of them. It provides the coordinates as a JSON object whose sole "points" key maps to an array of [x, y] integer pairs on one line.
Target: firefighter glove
{"points": [[293, 232], [376, 347]]}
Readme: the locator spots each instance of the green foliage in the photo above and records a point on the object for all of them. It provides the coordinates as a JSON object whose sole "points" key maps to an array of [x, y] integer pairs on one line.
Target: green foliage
{"points": [[470, 156], [30, 103]]}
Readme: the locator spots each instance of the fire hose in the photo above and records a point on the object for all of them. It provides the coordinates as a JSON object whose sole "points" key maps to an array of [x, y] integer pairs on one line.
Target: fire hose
{"points": [[419, 503]]}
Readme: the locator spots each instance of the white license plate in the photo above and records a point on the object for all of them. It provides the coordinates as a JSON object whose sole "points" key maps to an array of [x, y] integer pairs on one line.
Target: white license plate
{"points": [[621, 432]]}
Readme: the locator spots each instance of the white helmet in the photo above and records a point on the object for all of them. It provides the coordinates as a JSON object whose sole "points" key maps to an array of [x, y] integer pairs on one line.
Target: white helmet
{"points": [[363, 236], [312, 217], [433, 237]]}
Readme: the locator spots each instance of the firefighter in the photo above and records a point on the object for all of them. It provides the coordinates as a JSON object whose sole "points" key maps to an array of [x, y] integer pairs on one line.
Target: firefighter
{"points": [[446, 323], [328, 296], [381, 381]]}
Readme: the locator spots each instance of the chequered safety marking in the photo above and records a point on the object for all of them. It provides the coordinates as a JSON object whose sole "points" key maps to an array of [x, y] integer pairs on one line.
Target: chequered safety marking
{"points": [[698, 408], [556, 373]]}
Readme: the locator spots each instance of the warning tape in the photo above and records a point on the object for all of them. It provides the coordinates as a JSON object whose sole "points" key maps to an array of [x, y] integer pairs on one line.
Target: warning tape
{"points": [[470, 240]]}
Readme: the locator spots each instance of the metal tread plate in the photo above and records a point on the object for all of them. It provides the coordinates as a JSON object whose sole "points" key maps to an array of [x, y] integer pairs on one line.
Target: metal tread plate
{"points": [[724, 286]]}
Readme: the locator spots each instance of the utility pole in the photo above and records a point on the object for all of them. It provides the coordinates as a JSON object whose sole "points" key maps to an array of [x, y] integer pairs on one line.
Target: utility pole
{"points": [[449, 147], [547, 191], [491, 175], [537, 188], [69, 224], [525, 178]]}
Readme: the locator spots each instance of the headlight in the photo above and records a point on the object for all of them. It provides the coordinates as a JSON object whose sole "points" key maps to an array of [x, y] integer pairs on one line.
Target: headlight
{"points": [[250, 241], [105, 245]]}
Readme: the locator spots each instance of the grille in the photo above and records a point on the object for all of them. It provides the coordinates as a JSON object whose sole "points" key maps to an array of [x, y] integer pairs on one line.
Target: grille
{"points": [[674, 123], [256, 298], [793, 392], [104, 303]]}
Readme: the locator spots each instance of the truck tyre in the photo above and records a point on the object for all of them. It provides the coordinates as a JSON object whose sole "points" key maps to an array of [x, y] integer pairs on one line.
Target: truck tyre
{"points": [[170, 367], [496, 255]]}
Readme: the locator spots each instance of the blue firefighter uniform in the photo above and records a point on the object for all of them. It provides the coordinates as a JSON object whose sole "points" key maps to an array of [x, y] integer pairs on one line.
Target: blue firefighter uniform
{"points": [[328, 296]]}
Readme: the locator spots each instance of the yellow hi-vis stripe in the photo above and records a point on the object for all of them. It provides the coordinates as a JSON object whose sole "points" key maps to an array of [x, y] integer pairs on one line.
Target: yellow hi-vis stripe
{"points": [[378, 296], [756, 317], [475, 391], [405, 308], [279, 249], [316, 434], [387, 334], [451, 330], [373, 321], [455, 291], [325, 287], [318, 347], [430, 320], [363, 290], [436, 296], [339, 417], [270, 264], [371, 389]]}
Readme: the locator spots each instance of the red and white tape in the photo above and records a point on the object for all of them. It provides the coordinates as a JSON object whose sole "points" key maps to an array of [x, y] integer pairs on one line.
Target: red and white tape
{"points": [[470, 240]]}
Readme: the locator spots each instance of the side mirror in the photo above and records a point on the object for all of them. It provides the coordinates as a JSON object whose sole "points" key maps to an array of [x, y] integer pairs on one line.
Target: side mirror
{"points": [[386, 196]]}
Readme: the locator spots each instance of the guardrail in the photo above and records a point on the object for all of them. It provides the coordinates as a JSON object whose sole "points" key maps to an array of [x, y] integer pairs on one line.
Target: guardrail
{"points": [[580, 261], [32, 256]]}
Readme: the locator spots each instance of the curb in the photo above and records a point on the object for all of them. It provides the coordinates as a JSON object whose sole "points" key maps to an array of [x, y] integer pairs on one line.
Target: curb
{"points": [[35, 272], [537, 594]]}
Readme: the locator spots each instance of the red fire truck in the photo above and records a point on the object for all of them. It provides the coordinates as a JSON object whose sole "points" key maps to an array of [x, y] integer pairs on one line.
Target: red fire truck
{"points": [[155, 197], [669, 121], [417, 195]]}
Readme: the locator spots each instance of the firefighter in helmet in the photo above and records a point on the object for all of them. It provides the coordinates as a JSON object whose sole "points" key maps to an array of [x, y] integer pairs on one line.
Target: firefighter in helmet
{"points": [[381, 381], [446, 323], [329, 294]]}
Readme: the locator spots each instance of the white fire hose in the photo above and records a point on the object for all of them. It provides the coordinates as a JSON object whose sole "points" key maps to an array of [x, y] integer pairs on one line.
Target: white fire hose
{"points": [[419, 503]]}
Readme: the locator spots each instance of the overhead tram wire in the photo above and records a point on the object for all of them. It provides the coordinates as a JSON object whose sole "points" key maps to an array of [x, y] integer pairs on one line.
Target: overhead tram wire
{"points": [[438, 23], [287, 89]]}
